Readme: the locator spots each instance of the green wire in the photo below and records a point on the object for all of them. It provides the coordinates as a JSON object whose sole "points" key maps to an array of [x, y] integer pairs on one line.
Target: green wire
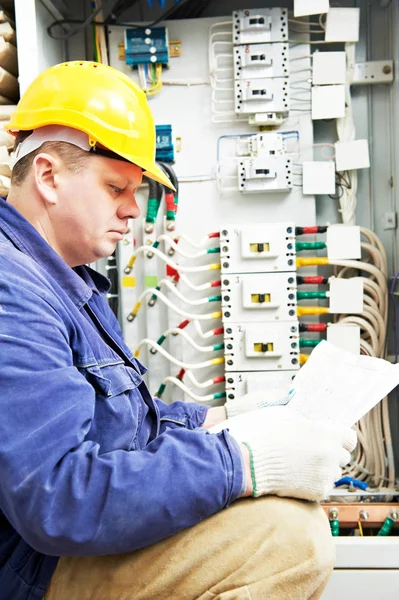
{"points": [[308, 343], [310, 295], [310, 246]]}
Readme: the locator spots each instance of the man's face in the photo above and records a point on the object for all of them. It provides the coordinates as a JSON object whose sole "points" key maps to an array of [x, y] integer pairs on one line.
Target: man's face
{"points": [[93, 208]]}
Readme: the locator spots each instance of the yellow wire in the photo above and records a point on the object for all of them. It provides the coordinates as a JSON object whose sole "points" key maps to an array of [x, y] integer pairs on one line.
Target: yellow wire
{"points": [[360, 528], [302, 311], [156, 88], [312, 261], [98, 46]]}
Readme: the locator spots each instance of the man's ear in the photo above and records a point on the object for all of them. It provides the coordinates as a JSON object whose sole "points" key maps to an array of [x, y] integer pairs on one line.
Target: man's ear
{"points": [[46, 171]]}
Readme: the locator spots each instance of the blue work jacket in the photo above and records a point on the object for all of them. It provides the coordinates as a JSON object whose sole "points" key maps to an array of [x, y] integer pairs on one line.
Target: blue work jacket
{"points": [[90, 463]]}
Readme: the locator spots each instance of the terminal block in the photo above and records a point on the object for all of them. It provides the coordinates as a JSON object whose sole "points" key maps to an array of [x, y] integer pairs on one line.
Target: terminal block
{"points": [[146, 46]]}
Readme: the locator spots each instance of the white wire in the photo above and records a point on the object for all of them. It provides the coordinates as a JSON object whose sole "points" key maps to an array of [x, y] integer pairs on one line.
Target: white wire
{"points": [[204, 384], [166, 300], [187, 390], [172, 287], [172, 359], [203, 242], [197, 288], [170, 241], [176, 267], [182, 332], [204, 335]]}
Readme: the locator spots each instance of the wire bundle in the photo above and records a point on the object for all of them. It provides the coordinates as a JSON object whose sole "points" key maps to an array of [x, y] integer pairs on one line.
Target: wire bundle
{"points": [[176, 275], [374, 460]]}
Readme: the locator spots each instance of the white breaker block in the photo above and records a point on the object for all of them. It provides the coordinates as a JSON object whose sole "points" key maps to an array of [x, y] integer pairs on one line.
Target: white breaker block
{"points": [[245, 382], [263, 248], [346, 295], [352, 155], [329, 68], [259, 297], [261, 346], [265, 174], [342, 25], [261, 61], [343, 242], [303, 8], [260, 144], [345, 336], [260, 25], [261, 95]]}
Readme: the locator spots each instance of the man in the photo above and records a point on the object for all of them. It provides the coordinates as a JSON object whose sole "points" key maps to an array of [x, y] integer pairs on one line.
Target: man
{"points": [[130, 492]]}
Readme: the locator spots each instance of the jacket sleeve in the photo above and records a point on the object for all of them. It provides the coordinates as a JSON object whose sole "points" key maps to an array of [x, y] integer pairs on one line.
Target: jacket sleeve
{"points": [[58, 490], [190, 413]]}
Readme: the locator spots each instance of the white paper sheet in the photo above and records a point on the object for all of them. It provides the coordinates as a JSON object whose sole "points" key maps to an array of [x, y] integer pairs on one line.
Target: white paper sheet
{"points": [[336, 385]]}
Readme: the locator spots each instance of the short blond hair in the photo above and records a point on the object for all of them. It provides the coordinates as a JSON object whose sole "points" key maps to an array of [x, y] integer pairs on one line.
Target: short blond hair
{"points": [[72, 156]]}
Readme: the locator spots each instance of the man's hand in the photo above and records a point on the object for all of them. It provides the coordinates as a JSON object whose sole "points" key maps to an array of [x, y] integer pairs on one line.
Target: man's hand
{"points": [[256, 400], [291, 455], [215, 415]]}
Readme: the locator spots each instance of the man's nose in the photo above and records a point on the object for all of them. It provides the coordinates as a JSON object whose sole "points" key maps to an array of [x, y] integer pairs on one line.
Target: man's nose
{"points": [[129, 209]]}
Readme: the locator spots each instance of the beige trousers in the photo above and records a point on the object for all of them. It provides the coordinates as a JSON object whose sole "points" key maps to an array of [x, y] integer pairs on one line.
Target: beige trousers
{"points": [[258, 549]]}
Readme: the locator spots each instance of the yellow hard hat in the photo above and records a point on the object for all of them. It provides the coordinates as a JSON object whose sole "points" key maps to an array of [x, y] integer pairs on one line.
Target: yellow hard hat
{"points": [[99, 100]]}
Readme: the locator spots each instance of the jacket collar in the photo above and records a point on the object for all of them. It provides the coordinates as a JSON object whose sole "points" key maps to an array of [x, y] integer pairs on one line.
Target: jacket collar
{"points": [[79, 283]]}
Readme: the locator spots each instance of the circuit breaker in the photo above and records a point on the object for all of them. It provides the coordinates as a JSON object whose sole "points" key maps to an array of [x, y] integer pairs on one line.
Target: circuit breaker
{"points": [[269, 247], [261, 346], [245, 382], [260, 25], [261, 95], [259, 297], [260, 61], [261, 144], [265, 174]]}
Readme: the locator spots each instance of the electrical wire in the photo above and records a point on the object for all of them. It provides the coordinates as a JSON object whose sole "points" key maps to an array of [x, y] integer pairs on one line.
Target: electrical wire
{"points": [[179, 330], [192, 394], [204, 384], [189, 339], [200, 301], [82, 24], [170, 241], [175, 361], [206, 317], [162, 256]]}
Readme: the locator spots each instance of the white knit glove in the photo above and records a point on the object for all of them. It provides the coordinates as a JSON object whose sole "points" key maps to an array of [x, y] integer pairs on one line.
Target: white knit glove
{"points": [[291, 455], [254, 401]]}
